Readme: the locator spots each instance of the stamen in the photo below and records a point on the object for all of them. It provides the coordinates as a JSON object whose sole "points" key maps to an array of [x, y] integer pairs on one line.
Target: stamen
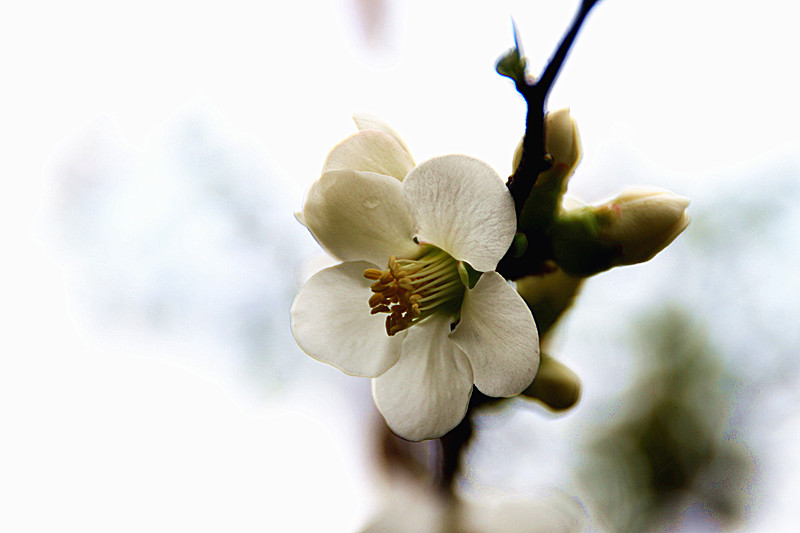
{"points": [[378, 286], [377, 299], [410, 290], [405, 283], [373, 273]]}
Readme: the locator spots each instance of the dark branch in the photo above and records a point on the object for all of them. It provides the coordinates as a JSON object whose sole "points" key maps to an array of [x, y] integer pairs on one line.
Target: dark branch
{"points": [[533, 160], [532, 163], [538, 255], [550, 73]]}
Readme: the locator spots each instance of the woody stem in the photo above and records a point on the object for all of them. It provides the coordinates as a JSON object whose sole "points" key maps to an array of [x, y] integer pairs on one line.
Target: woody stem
{"points": [[534, 156], [535, 93]]}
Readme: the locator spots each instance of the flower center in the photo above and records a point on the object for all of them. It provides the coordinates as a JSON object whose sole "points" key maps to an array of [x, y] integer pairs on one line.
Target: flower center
{"points": [[412, 289]]}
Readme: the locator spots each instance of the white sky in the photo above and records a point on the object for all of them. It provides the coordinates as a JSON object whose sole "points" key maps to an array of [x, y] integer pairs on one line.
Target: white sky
{"points": [[686, 90]]}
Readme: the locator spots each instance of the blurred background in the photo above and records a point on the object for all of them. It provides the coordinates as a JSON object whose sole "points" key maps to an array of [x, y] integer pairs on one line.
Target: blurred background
{"points": [[154, 154]]}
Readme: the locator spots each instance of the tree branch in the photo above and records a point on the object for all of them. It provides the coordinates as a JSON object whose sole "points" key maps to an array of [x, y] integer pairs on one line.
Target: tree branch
{"points": [[550, 73], [534, 160]]}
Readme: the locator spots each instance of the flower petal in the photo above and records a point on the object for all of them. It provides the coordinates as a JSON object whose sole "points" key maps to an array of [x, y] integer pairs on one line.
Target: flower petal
{"points": [[370, 151], [360, 216], [365, 121], [462, 206], [332, 324], [498, 334], [426, 393]]}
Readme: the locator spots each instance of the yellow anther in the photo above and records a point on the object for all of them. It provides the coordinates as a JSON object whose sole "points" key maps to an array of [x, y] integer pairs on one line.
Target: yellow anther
{"points": [[412, 289], [373, 273], [391, 291], [377, 299], [378, 287]]}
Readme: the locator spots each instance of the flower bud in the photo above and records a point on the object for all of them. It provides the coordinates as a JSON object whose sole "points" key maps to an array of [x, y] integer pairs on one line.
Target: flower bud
{"points": [[578, 248], [548, 296], [556, 386], [562, 142], [563, 147], [642, 221]]}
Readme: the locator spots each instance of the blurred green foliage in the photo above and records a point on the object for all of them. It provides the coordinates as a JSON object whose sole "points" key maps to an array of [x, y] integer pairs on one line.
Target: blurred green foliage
{"points": [[666, 454]]}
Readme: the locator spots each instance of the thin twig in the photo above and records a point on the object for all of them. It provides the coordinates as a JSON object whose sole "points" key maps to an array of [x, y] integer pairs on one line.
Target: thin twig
{"points": [[538, 255], [533, 160]]}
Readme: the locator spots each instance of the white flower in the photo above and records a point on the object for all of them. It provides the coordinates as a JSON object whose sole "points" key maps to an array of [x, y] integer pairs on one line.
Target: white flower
{"points": [[397, 309]]}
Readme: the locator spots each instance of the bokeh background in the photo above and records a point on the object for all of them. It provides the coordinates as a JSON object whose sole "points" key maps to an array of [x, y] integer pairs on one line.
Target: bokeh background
{"points": [[154, 153]]}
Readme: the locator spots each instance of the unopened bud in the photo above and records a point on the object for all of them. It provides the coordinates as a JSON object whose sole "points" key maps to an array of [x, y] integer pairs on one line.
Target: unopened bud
{"points": [[548, 296], [556, 386], [563, 149], [642, 221], [562, 143]]}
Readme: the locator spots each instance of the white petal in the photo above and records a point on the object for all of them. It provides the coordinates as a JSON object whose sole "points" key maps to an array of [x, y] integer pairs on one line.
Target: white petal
{"points": [[370, 151], [332, 324], [498, 334], [462, 206], [365, 121], [360, 216], [426, 393]]}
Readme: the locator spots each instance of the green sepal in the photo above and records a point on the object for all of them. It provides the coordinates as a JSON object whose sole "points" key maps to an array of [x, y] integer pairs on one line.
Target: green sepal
{"points": [[577, 246], [542, 206], [469, 276]]}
